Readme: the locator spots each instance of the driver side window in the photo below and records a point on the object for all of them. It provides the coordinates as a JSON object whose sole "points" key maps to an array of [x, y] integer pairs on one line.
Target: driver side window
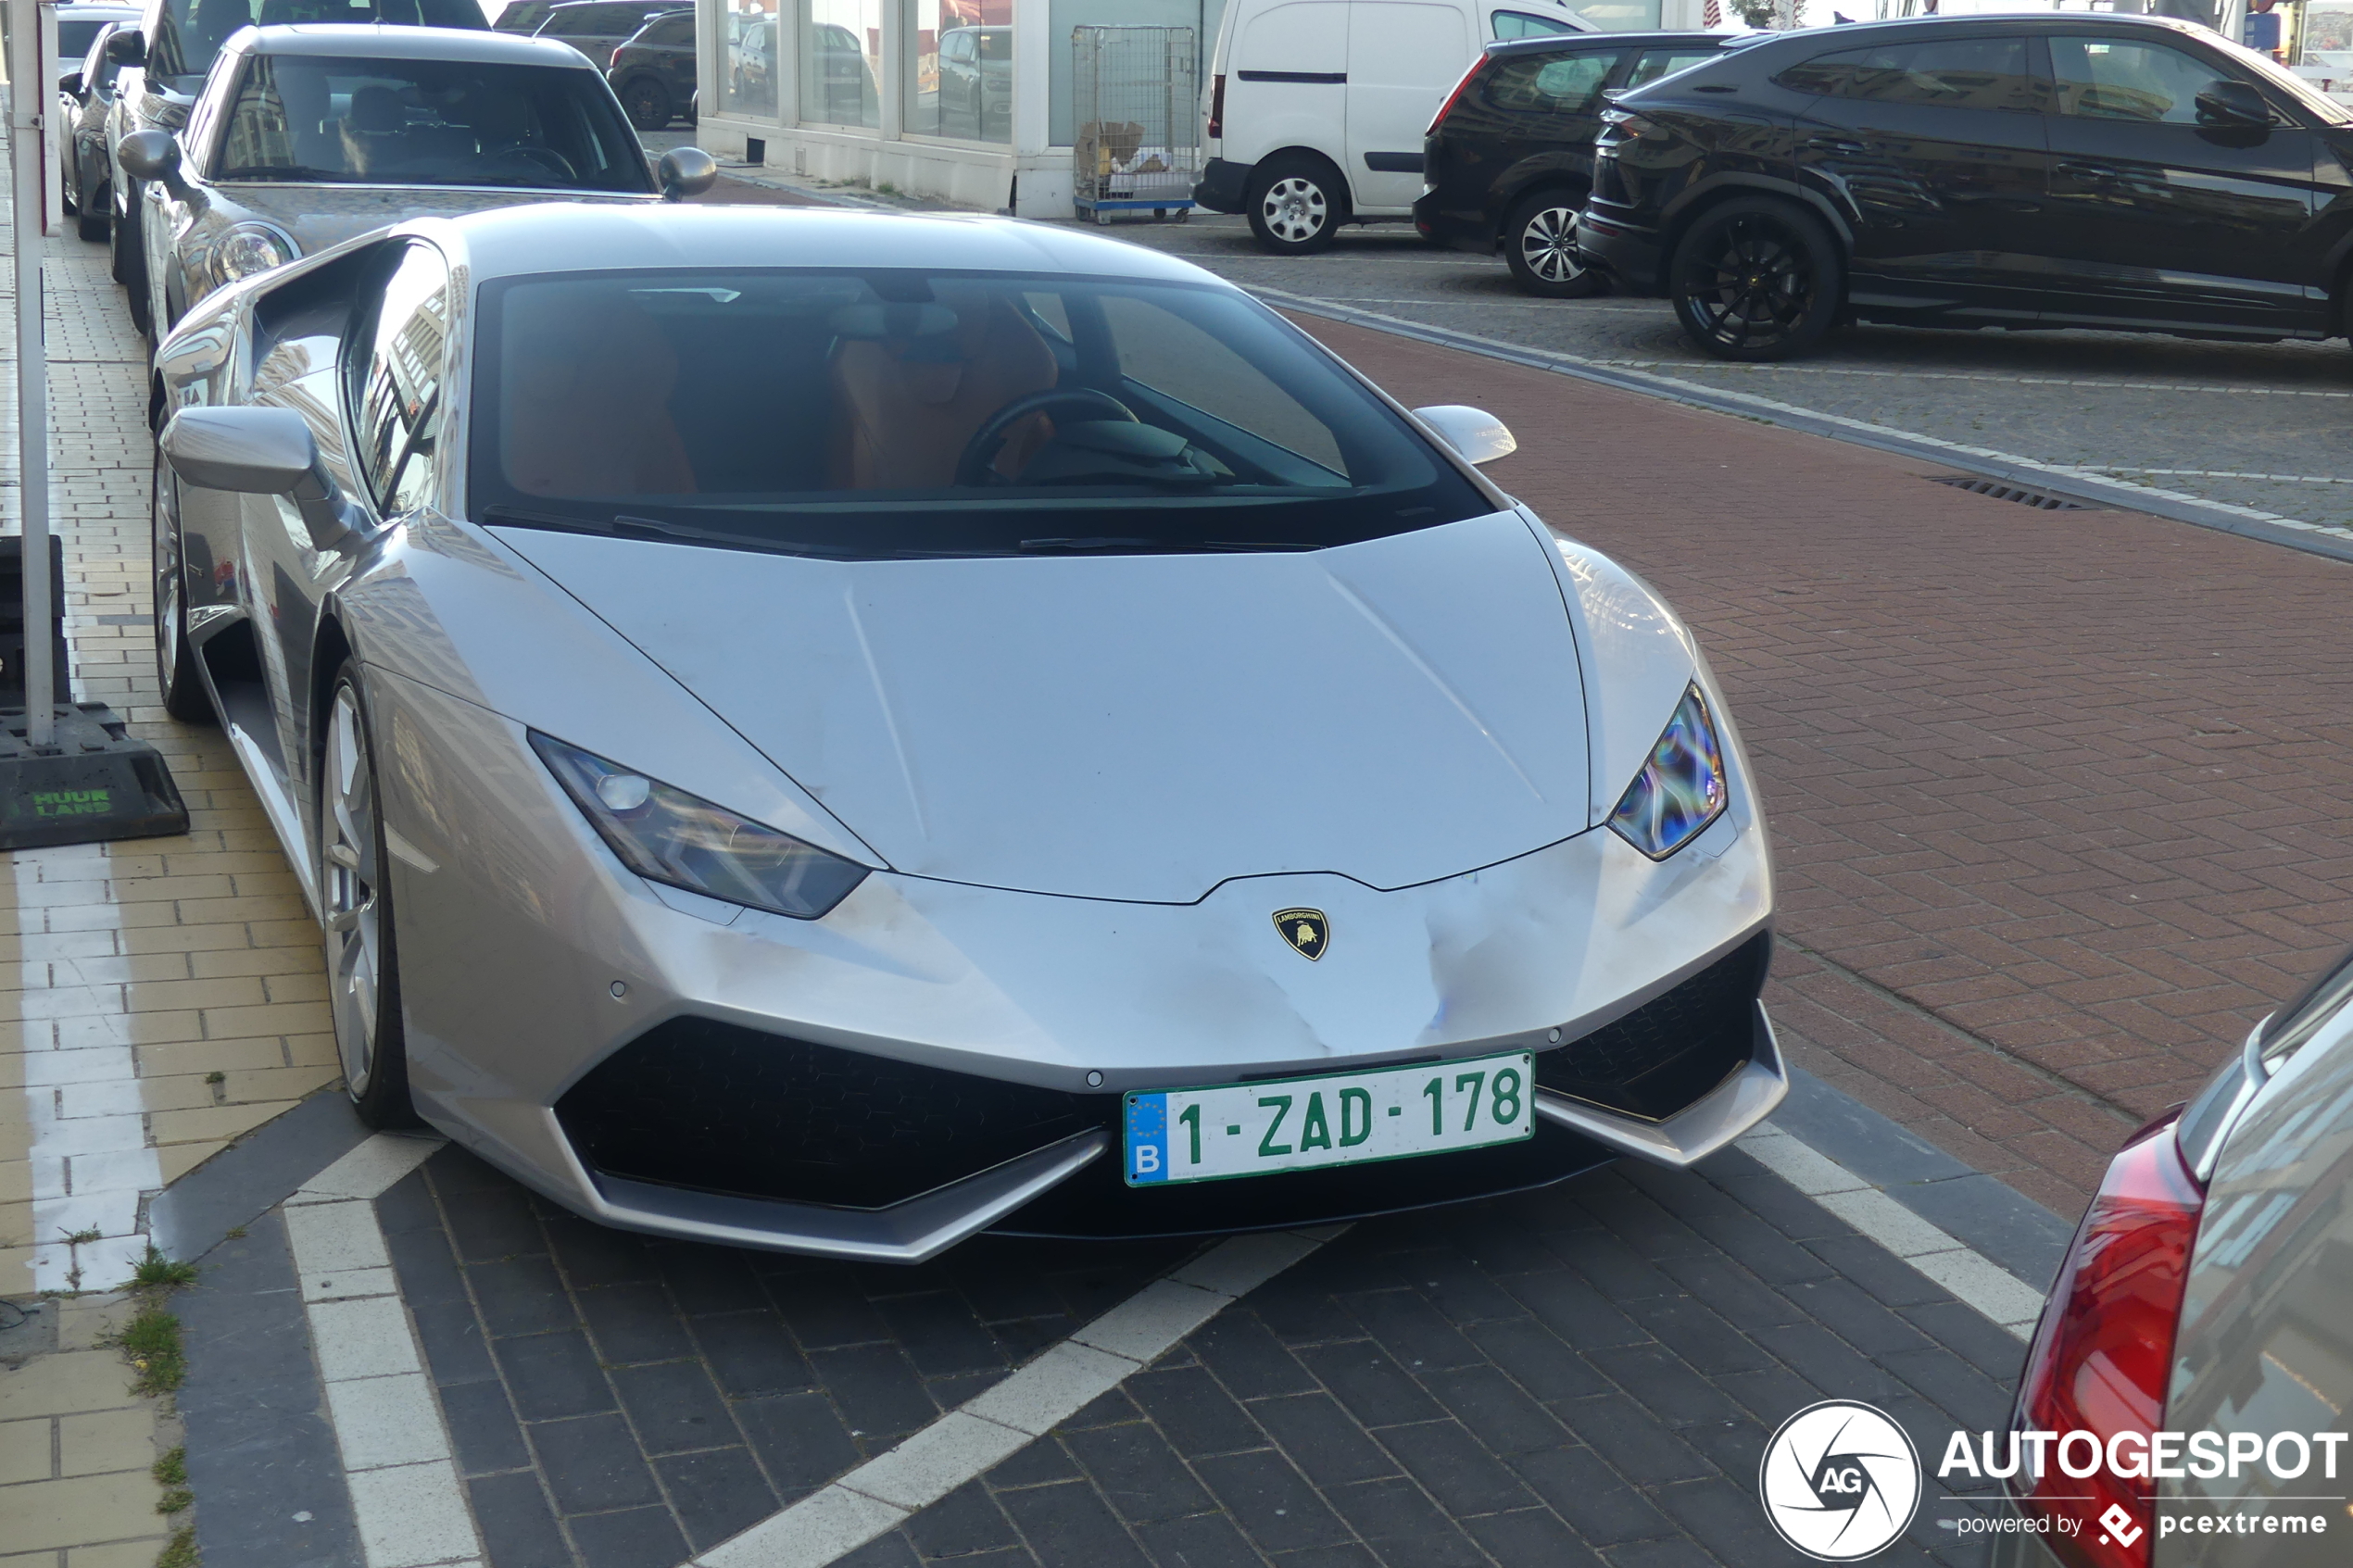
{"points": [[396, 401]]}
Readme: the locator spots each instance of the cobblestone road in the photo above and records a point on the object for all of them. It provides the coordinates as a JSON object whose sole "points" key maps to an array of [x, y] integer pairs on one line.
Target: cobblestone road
{"points": [[2191, 417]]}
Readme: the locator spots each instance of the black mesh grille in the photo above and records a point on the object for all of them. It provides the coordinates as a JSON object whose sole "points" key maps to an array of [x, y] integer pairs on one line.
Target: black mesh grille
{"points": [[699, 1104], [1674, 1047]]}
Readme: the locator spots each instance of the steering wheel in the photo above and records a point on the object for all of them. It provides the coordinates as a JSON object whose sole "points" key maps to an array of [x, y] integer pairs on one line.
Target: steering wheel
{"points": [[973, 467], [547, 158]]}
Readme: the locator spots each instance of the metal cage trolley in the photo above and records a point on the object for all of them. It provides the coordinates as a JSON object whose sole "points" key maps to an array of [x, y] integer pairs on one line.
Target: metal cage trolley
{"points": [[1134, 104]]}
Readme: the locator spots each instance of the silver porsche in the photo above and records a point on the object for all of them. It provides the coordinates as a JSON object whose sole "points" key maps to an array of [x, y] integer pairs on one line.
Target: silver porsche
{"points": [[835, 732], [303, 136]]}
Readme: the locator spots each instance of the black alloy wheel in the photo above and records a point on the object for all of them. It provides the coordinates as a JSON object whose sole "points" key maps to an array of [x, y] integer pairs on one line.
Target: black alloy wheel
{"points": [[647, 102], [1539, 246], [183, 683], [355, 895], [1756, 278], [1295, 205]]}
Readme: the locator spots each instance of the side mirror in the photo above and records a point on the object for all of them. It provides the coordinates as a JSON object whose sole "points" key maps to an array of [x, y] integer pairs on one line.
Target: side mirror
{"points": [[70, 85], [2233, 104], [128, 47], [259, 452], [151, 156], [686, 172], [1479, 435]]}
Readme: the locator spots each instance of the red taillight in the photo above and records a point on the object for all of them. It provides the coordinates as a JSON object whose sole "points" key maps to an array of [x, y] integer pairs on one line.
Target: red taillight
{"points": [[2104, 1349], [1440, 118], [1217, 105]]}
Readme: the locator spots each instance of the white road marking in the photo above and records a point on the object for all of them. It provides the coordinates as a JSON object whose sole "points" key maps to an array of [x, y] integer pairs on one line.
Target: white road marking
{"points": [[388, 1426], [2225, 473], [1968, 1275]]}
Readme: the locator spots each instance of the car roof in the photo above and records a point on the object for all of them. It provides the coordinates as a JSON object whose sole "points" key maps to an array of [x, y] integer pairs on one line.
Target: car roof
{"points": [[649, 5], [2005, 21], [399, 41], [552, 237], [1505, 49], [101, 9]]}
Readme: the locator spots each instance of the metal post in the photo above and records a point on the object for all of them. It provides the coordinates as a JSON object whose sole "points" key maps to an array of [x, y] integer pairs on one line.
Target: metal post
{"points": [[26, 102]]}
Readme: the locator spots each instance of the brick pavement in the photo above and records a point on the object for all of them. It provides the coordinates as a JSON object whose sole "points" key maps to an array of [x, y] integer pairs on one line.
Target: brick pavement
{"points": [[2056, 796], [1581, 1375]]}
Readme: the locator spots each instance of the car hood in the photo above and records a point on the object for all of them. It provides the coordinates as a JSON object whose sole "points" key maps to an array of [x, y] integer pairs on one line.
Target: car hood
{"points": [[319, 215], [1135, 727]]}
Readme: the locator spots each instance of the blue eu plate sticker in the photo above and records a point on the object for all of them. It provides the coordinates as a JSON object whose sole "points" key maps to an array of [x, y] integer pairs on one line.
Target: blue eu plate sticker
{"points": [[1147, 1139]]}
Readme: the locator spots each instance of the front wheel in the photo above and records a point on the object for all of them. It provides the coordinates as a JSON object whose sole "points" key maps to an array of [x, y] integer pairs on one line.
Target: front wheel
{"points": [[363, 978], [1539, 246], [1756, 278], [647, 103], [129, 241], [1295, 206], [90, 219], [183, 683]]}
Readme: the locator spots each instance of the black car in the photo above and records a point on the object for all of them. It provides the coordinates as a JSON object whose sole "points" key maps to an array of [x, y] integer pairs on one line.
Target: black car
{"points": [[2061, 170], [84, 97], [1509, 160], [597, 27], [653, 71]]}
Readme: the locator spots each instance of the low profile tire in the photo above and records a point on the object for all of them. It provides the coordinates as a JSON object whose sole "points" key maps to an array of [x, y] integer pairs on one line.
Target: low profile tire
{"points": [[90, 217], [647, 103], [363, 976], [1295, 206], [1756, 278], [131, 268], [1539, 246], [183, 683]]}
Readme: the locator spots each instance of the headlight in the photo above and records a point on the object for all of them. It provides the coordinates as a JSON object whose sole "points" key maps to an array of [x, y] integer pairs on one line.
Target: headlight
{"points": [[248, 248], [1681, 789], [669, 836]]}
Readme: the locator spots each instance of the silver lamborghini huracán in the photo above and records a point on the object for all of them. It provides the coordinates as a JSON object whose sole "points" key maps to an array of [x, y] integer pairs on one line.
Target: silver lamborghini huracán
{"points": [[837, 731]]}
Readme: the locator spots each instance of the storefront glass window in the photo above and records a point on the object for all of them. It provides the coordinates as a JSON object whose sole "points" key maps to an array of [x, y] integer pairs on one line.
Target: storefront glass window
{"points": [[960, 75], [840, 56], [747, 59]]}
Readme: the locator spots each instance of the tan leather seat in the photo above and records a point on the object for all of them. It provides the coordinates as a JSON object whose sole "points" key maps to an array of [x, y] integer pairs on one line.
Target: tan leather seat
{"points": [[905, 407], [586, 385]]}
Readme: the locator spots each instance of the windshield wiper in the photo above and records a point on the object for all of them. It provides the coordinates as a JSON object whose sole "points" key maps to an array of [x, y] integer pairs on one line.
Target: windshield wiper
{"points": [[1078, 546], [625, 526]]}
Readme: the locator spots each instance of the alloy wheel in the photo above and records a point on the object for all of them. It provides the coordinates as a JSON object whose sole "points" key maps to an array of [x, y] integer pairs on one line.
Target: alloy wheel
{"points": [[1295, 209], [1548, 245], [1754, 287], [348, 889], [171, 618]]}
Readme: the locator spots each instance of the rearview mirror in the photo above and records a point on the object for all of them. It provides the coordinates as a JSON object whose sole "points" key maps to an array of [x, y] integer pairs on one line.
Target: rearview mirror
{"points": [[152, 155], [2233, 102], [259, 452], [686, 172], [1479, 435], [128, 46], [70, 83]]}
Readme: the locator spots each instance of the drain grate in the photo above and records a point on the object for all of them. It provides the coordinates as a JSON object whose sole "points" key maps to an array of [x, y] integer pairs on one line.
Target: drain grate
{"points": [[2041, 500]]}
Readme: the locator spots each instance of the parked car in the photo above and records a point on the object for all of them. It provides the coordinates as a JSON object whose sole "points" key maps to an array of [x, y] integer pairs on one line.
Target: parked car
{"points": [[1316, 108], [2206, 1293], [597, 27], [306, 136], [977, 83], [79, 22], [652, 641], [85, 96], [653, 72], [522, 16], [163, 62], [838, 88], [1509, 160], [2061, 170]]}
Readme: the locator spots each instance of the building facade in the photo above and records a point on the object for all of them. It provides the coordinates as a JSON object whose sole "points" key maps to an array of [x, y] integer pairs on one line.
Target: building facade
{"points": [[968, 101]]}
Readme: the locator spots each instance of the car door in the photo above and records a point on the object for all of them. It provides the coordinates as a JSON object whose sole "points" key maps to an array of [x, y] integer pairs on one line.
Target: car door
{"points": [[1935, 150], [1287, 80], [1547, 110], [1403, 57], [2163, 220]]}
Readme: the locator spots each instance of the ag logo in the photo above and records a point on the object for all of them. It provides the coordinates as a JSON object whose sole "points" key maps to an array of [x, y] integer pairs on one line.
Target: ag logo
{"points": [[1306, 930], [1841, 1481]]}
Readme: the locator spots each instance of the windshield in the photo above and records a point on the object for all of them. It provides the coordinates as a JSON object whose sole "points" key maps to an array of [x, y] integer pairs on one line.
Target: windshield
{"points": [[74, 35], [884, 413], [354, 120], [189, 33]]}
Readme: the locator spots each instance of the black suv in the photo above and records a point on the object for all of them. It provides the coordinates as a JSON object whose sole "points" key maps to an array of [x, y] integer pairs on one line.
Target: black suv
{"points": [[653, 72], [1509, 160], [2067, 171]]}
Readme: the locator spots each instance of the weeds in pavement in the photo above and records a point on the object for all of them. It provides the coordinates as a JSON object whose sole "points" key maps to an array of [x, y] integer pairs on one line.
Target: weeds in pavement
{"points": [[151, 1341], [156, 1272], [180, 1550], [80, 1238]]}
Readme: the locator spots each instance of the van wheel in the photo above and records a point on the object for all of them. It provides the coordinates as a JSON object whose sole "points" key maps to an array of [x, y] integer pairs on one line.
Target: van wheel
{"points": [[1756, 278], [1539, 246], [1295, 205]]}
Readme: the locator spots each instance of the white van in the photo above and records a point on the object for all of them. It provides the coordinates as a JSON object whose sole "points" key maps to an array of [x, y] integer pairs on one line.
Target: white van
{"points": [[1317, 107]]}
